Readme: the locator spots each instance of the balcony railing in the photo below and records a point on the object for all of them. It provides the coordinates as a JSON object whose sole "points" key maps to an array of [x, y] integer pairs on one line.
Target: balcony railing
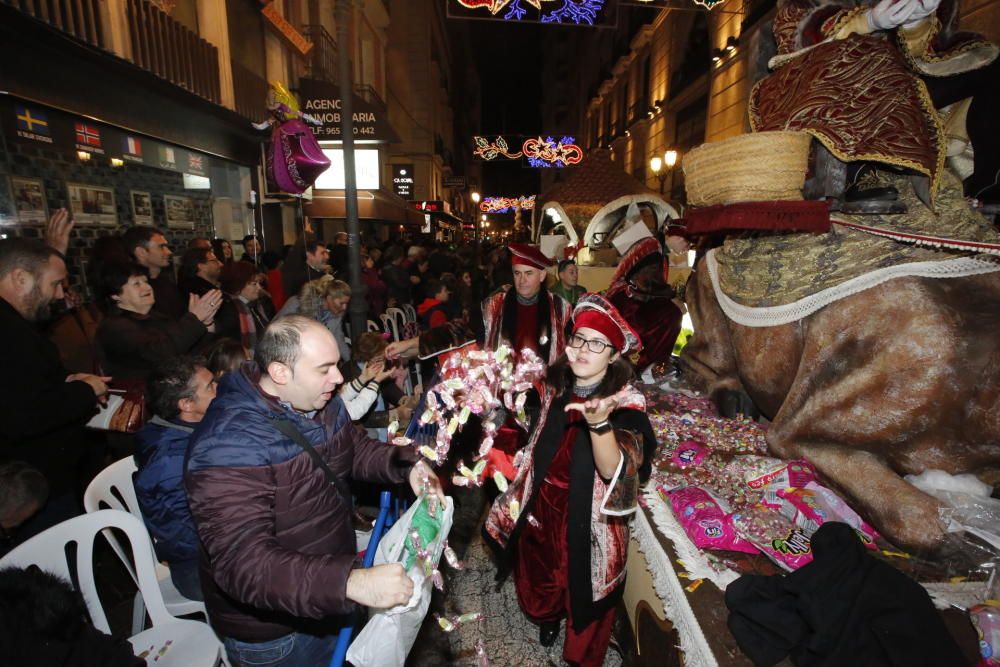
{"points": [[166, 48], [322, 62], [250, 91], [80, 18]]}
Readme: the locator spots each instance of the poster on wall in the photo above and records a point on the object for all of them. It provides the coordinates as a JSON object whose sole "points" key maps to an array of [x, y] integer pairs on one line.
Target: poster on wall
{"points": [[92, 204], [179, 211], [142, 207], [29, 200]]}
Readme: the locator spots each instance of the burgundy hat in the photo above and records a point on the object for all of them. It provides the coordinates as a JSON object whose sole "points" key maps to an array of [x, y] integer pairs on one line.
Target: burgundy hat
{"points": [[645, 249], [595, 312], [529, 255]]}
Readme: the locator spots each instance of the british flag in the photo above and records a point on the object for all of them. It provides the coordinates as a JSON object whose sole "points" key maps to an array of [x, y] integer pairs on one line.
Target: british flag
{"points": [[88, 135], [195, 162]]}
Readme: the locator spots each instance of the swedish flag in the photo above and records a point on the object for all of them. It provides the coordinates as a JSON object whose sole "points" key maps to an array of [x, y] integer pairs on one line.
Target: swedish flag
{"points": [[31, 120]]}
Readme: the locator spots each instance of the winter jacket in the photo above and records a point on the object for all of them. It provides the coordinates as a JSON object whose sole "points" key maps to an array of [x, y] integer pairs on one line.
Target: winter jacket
{"points": [[278, 544], [42, 415], [159, 487], [131, 345], [432, 313]]}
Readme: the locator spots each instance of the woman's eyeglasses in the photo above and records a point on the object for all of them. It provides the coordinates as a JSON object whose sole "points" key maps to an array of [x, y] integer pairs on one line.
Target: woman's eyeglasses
{"points": [[594, 345]]}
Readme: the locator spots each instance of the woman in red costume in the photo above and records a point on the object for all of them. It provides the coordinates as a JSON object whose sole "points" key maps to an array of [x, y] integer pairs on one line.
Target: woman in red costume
{"points": [[568, 509]]}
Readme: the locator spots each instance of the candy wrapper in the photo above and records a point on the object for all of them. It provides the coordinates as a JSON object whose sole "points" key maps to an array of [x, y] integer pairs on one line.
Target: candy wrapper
{"points": [[986, 620], [781, 474], [706, 521], [781, 540], [811, 507]]}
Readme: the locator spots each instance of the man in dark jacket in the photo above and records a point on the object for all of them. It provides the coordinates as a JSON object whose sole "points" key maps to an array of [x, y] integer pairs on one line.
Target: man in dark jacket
{"points": [[199, 272], [150, 250], [279, 565], [308, 260], [180, 391], [43, 412]]}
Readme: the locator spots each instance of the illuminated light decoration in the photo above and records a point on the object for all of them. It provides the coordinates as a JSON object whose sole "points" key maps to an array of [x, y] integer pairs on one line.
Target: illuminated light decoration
{"points": [[491, 150], [563, 12], [505, 204], [708, 4], [548, 152]]}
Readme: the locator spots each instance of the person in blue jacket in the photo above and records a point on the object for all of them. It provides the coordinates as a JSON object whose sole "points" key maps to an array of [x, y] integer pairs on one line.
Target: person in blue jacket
{"points": [[180, 392]]}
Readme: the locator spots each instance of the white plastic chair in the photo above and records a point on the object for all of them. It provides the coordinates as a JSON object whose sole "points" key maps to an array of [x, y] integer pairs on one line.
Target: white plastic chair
{"points": [[112, 488], [171, 641], [389, 323], [373, 327], [410, 311]]}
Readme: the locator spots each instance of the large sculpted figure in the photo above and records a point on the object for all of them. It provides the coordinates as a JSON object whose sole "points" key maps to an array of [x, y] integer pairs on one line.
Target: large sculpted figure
{"points": [[872, 348], [867, 78]]}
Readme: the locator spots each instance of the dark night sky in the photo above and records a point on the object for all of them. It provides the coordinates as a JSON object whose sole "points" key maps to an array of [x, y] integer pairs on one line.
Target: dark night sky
{"points": [[509, 64]]}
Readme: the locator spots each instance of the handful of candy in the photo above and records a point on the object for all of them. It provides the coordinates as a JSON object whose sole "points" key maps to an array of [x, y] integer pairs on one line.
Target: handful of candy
{"points": [[477, 382]]}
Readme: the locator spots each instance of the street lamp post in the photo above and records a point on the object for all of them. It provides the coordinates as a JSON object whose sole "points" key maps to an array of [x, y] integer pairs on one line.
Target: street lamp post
{"points": [[475, 196], [657, 164]]}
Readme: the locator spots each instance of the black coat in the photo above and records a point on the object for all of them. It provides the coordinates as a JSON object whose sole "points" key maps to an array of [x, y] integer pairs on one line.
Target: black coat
{"points": [[42, 415], [169, 301], [194, 285], [130, 345], [843, 608]]}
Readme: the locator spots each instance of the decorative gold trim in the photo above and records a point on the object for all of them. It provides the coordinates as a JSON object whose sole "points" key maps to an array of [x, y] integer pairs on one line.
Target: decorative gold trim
{"points": [[853, 21]]}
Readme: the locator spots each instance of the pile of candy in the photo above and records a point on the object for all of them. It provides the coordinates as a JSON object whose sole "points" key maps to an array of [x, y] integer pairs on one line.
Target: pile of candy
{"points": [[728, 495]]}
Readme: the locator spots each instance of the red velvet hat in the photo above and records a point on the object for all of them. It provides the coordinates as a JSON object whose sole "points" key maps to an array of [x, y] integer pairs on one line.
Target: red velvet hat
{"points": [[639, 251], [595, 312], [529, 255]]}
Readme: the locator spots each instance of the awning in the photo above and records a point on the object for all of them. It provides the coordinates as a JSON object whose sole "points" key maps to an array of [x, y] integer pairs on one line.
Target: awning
{"points": [[372, 205], [446, 220]]}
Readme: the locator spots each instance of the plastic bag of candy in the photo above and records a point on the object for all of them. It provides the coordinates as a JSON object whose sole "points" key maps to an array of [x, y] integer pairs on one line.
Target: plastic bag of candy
{"points": [[706, 520], [779, 474], [811, 507], [780, 540]]}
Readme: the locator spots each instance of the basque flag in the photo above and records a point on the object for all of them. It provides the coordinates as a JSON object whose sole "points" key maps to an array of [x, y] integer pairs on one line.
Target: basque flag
{"points": [[88, 135], [31, 120], [132, 146]]}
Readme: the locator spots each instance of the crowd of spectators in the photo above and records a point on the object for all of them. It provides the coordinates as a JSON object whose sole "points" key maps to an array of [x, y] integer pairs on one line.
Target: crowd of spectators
{"points": [[177, 323]]}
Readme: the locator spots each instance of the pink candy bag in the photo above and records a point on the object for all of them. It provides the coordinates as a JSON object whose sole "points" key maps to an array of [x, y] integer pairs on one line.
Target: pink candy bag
{"points": [[780, 540], [706, 522], [811, 507]]}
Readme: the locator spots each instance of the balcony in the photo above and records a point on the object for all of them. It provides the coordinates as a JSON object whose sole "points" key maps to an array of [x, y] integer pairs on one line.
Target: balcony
{"points": [[166, 48], [81, 19], [250, 93], [322, 62], [160, 44]]}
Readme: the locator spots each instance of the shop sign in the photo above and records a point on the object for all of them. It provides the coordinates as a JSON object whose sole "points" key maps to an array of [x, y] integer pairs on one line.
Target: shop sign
{"points": [[286, 30], [402, 180], [455, 182], [428, 206], [322, 100]]}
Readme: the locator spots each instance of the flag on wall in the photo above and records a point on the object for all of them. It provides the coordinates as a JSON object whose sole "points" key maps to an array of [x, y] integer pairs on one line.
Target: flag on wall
{"points": [[132, 146], [167, 158], [31, 120], [88, 135]]}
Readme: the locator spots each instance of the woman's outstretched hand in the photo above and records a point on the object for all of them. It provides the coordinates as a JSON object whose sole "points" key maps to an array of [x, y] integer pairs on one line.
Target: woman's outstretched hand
{"points": [[595, 410]]}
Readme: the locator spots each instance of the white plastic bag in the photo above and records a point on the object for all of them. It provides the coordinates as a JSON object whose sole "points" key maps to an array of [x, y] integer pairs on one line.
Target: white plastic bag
{"points": [[389, 635]]}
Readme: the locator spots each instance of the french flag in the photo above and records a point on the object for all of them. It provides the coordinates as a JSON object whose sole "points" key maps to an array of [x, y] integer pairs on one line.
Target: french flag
{"points": [[132, 146]]}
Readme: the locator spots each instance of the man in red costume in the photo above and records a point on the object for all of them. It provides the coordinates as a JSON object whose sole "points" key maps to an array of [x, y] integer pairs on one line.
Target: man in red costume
{"points": [[525, 315], [640, 292]]}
